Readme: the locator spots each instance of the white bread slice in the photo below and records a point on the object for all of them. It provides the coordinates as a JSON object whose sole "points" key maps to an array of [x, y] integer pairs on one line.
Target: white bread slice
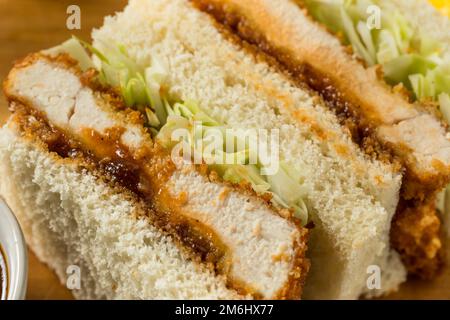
{"points": [[268, 263], [352, 198], [72, 218], [286, 30]]}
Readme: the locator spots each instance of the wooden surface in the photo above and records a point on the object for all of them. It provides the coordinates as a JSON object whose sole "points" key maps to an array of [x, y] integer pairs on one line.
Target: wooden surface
{"points": [[31, 25]]}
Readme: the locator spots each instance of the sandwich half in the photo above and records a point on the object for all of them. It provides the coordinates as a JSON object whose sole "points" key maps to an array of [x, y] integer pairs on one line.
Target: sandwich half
{"points": [[92, 174], [258, 250], [383, 68]]}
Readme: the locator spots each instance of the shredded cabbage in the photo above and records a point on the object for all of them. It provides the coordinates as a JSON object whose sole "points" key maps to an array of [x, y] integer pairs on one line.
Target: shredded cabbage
{"points": [[408, 56], [285, 187], [143, 88], [75, 50]]}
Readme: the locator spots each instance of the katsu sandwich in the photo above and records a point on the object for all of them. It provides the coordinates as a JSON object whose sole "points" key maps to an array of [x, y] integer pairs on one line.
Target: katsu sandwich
{"points": [[135, 159], [383, 67]]}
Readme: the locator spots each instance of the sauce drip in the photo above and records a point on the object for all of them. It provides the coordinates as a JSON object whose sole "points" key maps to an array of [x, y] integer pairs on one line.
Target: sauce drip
{"points": [[144, 173]]}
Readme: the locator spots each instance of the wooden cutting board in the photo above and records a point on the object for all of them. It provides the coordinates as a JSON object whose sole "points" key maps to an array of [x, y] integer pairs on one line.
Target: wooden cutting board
{"points": [[31, 25]]}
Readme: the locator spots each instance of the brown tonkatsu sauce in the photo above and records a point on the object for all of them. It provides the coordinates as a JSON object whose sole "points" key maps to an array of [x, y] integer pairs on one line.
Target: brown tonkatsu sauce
{"points": [[362, 129], [144, 175]]}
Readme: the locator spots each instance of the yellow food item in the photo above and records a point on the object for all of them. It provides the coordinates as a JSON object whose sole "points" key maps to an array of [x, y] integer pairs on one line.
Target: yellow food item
{"points": [[442, 5]]}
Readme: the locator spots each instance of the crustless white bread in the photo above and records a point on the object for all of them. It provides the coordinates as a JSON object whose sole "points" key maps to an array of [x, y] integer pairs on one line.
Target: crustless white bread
{"points": [[351, 197], [382, 119]]}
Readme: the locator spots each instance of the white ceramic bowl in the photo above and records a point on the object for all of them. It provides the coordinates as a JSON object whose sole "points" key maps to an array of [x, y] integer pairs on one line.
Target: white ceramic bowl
{"points": [[15, 250]]}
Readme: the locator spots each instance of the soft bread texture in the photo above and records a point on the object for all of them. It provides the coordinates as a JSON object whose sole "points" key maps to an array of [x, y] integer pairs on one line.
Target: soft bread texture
{"points": [[57, 92], [351, 197], [283, 28], [418, 139], [72, 218]]}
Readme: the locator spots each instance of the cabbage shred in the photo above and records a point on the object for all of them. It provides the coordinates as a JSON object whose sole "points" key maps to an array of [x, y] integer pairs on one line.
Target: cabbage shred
{"points": [[143, 89], [408, 56]]}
